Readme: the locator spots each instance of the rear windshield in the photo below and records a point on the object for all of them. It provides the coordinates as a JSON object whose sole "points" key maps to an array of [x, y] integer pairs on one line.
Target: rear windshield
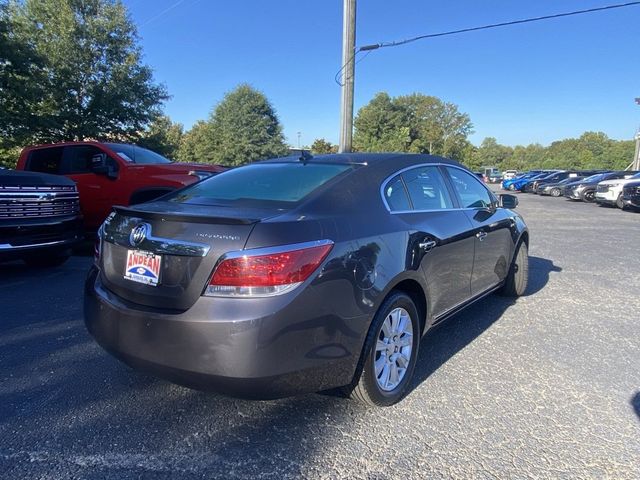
{"points": [[264, 184]]}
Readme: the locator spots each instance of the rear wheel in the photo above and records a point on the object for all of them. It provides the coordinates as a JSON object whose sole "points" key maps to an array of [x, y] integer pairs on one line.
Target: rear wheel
{"points": [[589, 196], [390, 352], [518, 276], [512, 187], [619, 202], [555, 192]]}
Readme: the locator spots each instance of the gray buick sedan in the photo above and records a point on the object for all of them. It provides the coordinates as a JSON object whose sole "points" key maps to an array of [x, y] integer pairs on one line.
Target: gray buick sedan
{"points": [[302, 274]]}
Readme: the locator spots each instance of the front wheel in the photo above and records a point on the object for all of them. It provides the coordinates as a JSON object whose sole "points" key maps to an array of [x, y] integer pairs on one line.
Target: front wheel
{"points": [[518, 277], [390, 353], [555, 192], [512, 187]]}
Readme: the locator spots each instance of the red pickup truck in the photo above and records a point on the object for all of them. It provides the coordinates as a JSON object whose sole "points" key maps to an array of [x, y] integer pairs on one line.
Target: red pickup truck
{"points": [[109, 174]]}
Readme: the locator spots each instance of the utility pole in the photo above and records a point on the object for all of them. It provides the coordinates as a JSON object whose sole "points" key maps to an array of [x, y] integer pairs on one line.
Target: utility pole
{"points": [[636, 156], [348, 50]]}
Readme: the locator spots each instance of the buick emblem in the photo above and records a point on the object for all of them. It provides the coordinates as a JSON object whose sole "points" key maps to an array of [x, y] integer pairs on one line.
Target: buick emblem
{"points": [[139, 233]]}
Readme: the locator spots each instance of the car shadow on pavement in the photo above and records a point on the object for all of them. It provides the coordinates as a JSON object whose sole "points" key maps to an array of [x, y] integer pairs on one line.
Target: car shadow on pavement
{"points": [[635, 403], [446, 339]]}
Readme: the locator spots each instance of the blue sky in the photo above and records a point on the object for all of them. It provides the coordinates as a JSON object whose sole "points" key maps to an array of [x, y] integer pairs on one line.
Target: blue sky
{"points": [[522, 84]]}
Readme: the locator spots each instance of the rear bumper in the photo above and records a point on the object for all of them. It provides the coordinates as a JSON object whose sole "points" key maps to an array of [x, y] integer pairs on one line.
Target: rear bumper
{"points": [[233, 346], [19, 238]]}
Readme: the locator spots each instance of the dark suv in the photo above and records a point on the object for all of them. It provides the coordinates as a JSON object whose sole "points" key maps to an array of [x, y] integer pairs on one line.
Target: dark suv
{"points": [[585, 189], [39, 217]]}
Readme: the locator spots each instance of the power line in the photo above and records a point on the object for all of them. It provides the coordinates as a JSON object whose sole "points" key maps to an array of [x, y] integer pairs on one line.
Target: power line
{"points": [[397, 43], [494, 25], [162, 13]]}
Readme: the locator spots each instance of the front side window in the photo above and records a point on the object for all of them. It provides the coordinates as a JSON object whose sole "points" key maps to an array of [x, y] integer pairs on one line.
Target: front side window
{"points": [[472, 193], [80, 158]]}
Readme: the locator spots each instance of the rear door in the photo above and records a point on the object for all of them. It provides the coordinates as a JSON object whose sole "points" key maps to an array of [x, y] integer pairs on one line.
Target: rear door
{"points": [[439, 237], [491, 228]]}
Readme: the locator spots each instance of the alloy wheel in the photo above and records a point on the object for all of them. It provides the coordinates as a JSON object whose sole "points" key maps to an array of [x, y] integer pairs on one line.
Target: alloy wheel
{"points": [[393, 349]]}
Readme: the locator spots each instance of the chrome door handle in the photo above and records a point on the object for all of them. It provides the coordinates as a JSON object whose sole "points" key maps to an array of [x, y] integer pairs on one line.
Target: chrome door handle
{"points": [[427, 246], [480, 235]]}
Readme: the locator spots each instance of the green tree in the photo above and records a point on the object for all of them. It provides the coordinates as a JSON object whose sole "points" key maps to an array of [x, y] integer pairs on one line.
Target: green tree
{"points": [[243, 128], [23, 81], [163, 136], [321, 146], [196, 144], [414, 123], [95, 84]]}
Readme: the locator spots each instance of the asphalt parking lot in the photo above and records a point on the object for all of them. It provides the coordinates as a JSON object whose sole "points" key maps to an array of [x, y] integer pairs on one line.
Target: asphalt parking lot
{"points": [[547, 386]]}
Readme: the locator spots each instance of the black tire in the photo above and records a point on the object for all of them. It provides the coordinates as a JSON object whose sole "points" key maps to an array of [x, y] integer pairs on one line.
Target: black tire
{"points": [[619, 202], [46, 261], [589, 196], [512, 187], [555, 192], [365, 387], [518, 277]]}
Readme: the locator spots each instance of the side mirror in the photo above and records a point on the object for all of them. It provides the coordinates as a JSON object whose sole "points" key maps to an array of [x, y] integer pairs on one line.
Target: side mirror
{"points": [[99, 163], [508, 201], [99, 166]]}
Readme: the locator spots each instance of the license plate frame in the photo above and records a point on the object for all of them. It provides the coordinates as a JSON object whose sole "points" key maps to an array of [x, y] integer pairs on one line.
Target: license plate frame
{"points": [[143, 267]]}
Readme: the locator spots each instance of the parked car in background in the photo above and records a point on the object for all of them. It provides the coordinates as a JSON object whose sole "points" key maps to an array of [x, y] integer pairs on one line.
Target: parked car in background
{"points": [[491, 174], [524, 184], [109, 174], [509, 174], [481, 176], [270, 279], [39, 218], [555, 177], [585, 190], [631, 195], [555, 189], [509, 184], [609, 192]]}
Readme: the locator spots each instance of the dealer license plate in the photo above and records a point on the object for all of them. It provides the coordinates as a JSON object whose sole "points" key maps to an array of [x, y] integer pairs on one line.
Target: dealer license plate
{"points": [[143, 267]]}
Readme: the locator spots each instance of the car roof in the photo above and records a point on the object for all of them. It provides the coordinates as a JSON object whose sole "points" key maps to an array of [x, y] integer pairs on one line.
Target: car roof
{"points": [[365, 159]]}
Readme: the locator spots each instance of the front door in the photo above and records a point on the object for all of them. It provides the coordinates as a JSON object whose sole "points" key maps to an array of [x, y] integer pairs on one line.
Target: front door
{"points": [[96, 190], [491, 226]]}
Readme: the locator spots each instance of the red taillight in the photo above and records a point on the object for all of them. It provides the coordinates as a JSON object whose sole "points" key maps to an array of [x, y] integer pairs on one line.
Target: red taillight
{"points": [[267, 273]]}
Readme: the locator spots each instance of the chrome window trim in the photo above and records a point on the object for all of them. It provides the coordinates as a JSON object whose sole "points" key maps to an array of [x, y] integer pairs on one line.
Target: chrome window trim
{"points": [[438, 164]]}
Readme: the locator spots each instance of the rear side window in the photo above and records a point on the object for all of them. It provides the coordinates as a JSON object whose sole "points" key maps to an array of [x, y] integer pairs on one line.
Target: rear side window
{"points": [[46, 160], [427, 189], [396, 195], [420, 189], [265, 184]]}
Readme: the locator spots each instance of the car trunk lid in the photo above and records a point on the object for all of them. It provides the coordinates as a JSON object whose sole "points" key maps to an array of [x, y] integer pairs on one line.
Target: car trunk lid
{"points": [[168, 263]]}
